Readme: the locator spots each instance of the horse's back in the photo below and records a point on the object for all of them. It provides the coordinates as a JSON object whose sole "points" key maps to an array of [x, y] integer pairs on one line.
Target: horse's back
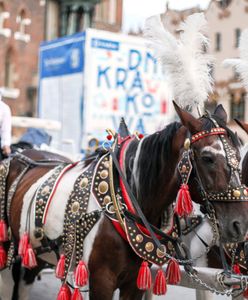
{"points": [[32, 175]]}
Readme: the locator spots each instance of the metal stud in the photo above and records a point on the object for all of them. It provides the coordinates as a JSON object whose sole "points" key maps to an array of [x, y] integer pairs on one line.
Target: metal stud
{"points": [[104, 174], [149, 246], [139, 238], [236, 193], [84, 182], [75, 207], [161, 252], [103, 187]]}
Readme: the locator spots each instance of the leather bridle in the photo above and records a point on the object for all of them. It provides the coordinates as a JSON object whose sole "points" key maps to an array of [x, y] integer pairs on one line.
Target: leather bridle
{"points": [[187, 164]]}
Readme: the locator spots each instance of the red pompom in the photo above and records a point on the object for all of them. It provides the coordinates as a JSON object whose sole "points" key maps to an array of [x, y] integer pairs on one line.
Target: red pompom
{"points": [[236, 269], [29, 259], [64, 293], [60, 269], [184, 204], [245, 294], [173, 272], [141, 136], [144, 279], [23, 244], [3, 231], [81, 274], [76, 295], [3, 257], [109, 137], [160, 286]]}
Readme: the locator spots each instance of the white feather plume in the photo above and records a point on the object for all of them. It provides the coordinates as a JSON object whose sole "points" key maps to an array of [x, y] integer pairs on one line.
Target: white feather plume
{"points": [[241, 64], [183, 59]]}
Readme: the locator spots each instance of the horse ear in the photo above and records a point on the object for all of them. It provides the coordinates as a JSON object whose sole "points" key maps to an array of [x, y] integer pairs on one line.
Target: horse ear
{"points": [[221, 113], [242, 124], [194, 125]]}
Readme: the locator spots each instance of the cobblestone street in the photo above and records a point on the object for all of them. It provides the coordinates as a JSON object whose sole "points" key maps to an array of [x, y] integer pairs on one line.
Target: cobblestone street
{"points": [[47, 289]]}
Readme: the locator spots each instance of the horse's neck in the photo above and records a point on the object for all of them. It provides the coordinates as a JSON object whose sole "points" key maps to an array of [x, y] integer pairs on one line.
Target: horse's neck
{"points": [[156, 199]]}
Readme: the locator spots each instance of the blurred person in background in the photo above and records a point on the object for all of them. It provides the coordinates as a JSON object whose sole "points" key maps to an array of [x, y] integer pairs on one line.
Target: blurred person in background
{"points": [[5, 129]]}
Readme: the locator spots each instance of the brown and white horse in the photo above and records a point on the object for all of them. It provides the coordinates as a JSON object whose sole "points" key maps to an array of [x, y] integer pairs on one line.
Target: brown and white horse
{"points": [[151, 171]]}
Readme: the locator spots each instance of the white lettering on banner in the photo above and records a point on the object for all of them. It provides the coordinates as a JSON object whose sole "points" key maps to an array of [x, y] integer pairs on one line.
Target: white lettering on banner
{"points": [[128, 83], [54, 61]]}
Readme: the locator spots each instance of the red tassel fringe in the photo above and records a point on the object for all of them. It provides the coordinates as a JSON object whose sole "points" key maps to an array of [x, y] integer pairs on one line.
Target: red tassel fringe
{"points": [[144, 279], [23, 244], [3, 257], [29, 259], [3, 231], [64, 293], [245, 294], [160, 286], [60, 269], [77, 295], [236, 269], [81, 274], [184, 204], [173, 272]]}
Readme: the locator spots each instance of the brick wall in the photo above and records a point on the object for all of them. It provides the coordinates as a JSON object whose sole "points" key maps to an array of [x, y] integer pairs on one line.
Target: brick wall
{"points": [[24, 54]]}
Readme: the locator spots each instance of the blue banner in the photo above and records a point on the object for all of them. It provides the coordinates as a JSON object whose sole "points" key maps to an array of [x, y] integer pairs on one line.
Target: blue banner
{"points": [[62, 56]]}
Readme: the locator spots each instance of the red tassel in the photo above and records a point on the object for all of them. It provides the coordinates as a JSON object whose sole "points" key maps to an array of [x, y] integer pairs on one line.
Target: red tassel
{"points": [[77, 295], [144, 279], [245, 294], [184, 204], [29, 259], [81, 274], [3, 231], [60, 269], [236, 269], [173, 272], [64, 293], [3, 257], [160, 286], [23, 244]]}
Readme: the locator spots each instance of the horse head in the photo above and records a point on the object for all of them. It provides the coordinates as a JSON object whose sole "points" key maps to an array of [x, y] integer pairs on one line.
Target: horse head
{"points": [[215, 178]]}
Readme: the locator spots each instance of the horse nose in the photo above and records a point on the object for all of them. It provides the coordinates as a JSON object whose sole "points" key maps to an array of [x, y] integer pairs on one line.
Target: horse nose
{"points": [[235, 229]]}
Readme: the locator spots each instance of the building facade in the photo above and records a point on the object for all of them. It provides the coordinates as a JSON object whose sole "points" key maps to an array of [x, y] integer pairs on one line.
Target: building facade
{"points": [[24, 24], [21, 30], [226, 20], [66, 17]]}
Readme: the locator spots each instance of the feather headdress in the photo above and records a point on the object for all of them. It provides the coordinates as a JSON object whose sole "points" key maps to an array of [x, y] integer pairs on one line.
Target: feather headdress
{"points": [[241, 64], [187, 65]]}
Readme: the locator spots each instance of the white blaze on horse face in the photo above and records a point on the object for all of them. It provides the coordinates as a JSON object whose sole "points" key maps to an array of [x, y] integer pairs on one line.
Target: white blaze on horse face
{"points": [[216, 149]]}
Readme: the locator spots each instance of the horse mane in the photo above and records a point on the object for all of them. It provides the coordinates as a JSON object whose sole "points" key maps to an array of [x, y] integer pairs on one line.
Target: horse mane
{"points": [[154, 154]]}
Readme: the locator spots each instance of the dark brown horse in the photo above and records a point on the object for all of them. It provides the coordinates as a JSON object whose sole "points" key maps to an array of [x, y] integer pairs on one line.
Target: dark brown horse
{"points": [[151, 172]]}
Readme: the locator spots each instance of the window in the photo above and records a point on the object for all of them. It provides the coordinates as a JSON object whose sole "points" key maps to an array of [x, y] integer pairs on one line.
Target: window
{"points": [[238, 106], [223, 3], [9, 70], [23, 22], [112, 11], [218, 41], [3, 16], [237, 36]]}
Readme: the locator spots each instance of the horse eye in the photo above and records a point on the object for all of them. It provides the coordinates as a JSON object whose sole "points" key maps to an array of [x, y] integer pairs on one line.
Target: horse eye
{"points": [[208, 159]]}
